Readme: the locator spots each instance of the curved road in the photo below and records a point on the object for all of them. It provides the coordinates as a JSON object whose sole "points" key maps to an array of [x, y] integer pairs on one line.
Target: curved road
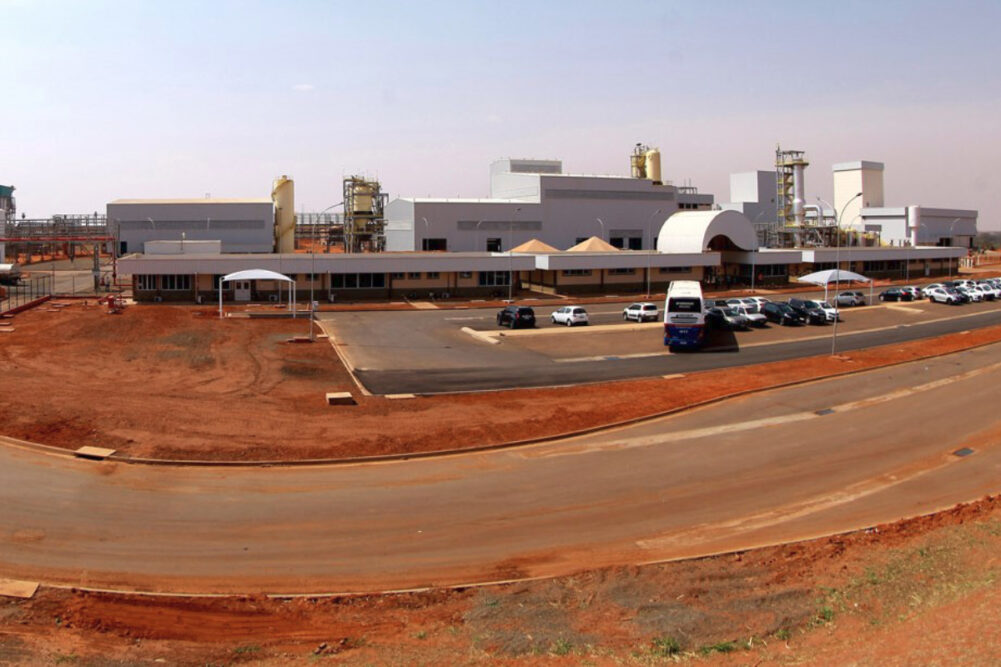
{"points": [[789, 464]]}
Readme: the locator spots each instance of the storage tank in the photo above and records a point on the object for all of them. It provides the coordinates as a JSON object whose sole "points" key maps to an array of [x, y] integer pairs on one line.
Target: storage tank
{"points": [[653, 165], [283, 195], [799, 194]]}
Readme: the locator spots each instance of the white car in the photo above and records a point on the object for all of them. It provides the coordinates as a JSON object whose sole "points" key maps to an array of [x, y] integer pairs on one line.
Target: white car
{"points": [[749, 304], [569, 316], [990, 290], [829, 310], [641, 312], [754, 318], [974, 294], [943, 295]]}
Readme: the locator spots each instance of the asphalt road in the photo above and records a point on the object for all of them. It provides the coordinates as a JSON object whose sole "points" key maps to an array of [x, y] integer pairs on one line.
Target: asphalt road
{"points": [[788, 464], [426, 352]]}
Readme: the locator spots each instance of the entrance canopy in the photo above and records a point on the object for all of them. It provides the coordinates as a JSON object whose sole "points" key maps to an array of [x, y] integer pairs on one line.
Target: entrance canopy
{"points": [[255, 274], [835, 276], [258, 274]]}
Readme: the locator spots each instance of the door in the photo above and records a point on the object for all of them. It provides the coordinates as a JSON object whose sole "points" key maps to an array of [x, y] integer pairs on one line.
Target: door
{"points": [[241, 290]]}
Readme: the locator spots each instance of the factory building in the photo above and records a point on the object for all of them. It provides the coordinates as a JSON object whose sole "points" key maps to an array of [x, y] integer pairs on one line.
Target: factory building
{"points": [[534, 199], [7, 211], [241, 225]]}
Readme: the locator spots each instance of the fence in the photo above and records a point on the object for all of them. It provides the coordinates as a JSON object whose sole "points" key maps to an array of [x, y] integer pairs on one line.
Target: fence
{"points": [[25, 292]]}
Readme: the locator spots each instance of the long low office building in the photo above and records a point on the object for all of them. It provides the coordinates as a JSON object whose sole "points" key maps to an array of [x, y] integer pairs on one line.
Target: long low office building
{"points": [[718, 248]]}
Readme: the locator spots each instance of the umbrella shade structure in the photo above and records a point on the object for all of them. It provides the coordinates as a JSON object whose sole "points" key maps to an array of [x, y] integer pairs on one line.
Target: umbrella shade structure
{"points": [[835, 276], [256, 274]]}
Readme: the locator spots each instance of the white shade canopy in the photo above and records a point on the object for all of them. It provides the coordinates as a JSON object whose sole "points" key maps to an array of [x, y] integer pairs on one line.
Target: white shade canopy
{"points": [[833, 276], [255, 274]]}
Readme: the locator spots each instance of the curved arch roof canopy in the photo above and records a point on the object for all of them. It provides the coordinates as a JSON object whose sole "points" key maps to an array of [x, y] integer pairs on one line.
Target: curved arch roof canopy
{"points": [[692, 231], [255, 274]]}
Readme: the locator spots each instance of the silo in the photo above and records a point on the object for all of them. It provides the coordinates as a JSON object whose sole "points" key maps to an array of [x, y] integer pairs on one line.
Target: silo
{"points": [[653, 165], [283, 195]]}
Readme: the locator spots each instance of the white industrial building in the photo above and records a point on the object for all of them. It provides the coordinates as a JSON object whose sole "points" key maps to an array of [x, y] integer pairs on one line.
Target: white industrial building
{"points": [[242, 225], [534, 199]]}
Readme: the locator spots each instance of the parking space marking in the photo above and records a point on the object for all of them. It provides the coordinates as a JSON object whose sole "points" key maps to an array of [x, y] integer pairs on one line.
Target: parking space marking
{"points": [[906, 309]]}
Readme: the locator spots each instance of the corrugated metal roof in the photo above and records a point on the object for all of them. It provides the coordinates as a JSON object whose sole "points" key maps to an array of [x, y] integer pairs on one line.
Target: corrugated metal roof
{"points": [[251, 200]]}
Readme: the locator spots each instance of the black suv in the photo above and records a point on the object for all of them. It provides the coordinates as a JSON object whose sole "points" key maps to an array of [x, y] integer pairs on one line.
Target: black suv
{"points": [[782, 313], [516, 316], [809, 310]]}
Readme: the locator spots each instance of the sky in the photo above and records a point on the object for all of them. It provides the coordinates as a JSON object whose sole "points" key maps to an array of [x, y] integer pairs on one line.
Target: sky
{"points": [[106, 99]]}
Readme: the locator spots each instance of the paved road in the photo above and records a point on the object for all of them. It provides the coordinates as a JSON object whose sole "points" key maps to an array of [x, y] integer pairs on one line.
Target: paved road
{"points": [[788, 464], [430, 357]]}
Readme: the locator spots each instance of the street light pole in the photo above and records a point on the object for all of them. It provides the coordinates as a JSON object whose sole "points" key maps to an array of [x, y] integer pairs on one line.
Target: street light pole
{"points": [[649, 256], [427, 232], [951, 227], [312, 267], [510, 256], [602, 223], [837, 263]]}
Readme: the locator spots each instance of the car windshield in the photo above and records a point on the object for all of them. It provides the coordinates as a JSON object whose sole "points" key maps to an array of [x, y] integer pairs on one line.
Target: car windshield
{"points": [[824, 304], [811, 304]]}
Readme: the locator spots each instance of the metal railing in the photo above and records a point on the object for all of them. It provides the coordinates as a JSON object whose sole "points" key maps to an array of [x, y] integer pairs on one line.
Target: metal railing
{"points": [[25, 292]]}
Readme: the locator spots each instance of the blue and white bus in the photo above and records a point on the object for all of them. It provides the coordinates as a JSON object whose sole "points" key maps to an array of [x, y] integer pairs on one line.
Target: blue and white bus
{"points": [[684, 316]]}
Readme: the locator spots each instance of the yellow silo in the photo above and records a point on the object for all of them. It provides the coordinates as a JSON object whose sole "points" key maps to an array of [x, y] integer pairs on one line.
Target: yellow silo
{"points": [[283, 195]]}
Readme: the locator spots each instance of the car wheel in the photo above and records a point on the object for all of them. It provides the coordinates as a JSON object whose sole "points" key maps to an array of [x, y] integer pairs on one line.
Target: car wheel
{"points": [[553, 319], [569, 323], [625, 316]]}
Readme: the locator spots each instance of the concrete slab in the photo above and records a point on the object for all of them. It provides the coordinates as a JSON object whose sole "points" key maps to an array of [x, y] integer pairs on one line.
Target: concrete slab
{"points": [[12, 588], [7, 330], [398, 397], [89, 452], [340, 398]]}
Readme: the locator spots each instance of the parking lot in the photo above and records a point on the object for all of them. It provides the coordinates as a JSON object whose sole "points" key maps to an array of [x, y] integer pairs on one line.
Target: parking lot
{"points": [[433, 351]]}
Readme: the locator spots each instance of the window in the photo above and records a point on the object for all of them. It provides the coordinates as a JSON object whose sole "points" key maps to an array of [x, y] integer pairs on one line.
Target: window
{"points": [[175, 283], [433, 275], [635, 243], [494, 278], [493, 245], [357, 280], [580, 239], [675, 269], [398, 276], [773, 270], [309, 277], [616, 241], [577, 272], [621, 272], [146, 282], [414, 275], [434, 244], [465, 274]]}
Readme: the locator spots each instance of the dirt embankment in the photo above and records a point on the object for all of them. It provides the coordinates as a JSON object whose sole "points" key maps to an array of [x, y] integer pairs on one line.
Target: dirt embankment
{"points": [[921, 591], [175, 382]]}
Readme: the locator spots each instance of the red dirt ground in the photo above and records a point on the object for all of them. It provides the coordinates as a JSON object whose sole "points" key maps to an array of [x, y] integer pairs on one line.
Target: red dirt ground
{"points": [[921, 591], [176, 382]]}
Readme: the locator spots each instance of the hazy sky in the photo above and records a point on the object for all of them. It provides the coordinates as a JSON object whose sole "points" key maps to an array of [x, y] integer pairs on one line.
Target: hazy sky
{"points": [[104, 100]]}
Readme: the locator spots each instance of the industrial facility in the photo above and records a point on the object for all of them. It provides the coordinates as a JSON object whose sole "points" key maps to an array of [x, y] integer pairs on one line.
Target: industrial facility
{"points": [[540, 230]]}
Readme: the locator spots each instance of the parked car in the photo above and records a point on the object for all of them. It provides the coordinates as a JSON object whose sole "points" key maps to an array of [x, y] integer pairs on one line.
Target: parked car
{"points": [[943, 295], [971, 292], [829, 310], [760, 300], [569, 315], [641, 312], [516, 317], [725, 318], [754, 318], [895, 294], [782, 313], [850, 298], [810, 310], [913, 291], [926, 288], [749, 304], [991, 291]]}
